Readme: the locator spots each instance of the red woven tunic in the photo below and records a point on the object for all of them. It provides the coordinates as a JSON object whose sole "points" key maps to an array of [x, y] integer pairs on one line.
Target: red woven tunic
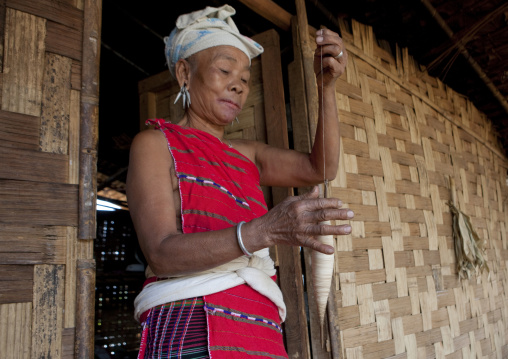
{"points": [[219, 187]]}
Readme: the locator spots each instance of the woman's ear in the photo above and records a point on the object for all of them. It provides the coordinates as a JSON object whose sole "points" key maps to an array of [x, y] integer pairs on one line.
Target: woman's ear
{"points": [[182, 72]]}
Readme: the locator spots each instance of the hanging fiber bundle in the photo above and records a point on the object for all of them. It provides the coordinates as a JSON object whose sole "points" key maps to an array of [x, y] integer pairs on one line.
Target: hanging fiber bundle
{"points": [[469, 248], [322, 273]]}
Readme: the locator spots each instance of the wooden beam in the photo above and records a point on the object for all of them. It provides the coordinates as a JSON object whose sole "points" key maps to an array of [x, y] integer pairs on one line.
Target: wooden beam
{"points": [[2, 31], [270, 11], [476, 67], [85, 306], [307, 54], [89, 129]]}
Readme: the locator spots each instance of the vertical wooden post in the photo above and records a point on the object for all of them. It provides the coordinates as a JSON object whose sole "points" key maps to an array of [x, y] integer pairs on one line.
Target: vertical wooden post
{"points": [[290, 269], [2, 32], [85, 308], [85, 291], [308, 66], [305, 108], [89, 119]]}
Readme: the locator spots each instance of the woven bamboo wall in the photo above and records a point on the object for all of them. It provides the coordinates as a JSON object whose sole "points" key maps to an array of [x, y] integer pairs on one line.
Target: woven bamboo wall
{"points": [[40, 100], [404, 134]]}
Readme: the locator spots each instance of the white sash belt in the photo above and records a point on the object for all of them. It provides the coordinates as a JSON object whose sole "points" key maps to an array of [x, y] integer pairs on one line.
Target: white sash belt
{"points": [[255, 271]]}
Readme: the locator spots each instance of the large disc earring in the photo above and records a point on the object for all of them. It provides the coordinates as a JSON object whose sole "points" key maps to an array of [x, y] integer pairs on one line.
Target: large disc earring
{"points": [[184, 93]]}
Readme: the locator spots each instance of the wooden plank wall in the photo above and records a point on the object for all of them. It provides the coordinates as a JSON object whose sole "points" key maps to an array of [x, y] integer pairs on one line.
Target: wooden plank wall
{"points": [[396, 289], [40, 96]]}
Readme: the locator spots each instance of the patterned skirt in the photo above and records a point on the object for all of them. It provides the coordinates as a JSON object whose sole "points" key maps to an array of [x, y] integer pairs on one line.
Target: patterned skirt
{"points": [[238, 323], [177, 330]]}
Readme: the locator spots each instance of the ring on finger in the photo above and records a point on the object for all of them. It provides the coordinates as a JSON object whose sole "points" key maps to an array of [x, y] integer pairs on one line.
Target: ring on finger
{"points": [[339, 55]]}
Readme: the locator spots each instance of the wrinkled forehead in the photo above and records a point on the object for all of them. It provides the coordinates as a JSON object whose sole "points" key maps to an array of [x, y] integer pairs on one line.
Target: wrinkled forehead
{"points": [[225, 53]]}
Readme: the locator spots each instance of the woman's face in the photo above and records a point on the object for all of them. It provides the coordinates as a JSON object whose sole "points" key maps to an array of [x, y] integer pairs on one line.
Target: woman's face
{"points": [[219, 83]]}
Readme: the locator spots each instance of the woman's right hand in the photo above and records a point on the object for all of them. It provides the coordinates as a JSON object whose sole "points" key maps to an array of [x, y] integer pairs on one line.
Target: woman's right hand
{"points": [[296, 222]]}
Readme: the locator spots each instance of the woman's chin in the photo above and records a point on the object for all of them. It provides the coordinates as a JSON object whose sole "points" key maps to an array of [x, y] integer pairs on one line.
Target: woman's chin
{"points": [[228, 119]]}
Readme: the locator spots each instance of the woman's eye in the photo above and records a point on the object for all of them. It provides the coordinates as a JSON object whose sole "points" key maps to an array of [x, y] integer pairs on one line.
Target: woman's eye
{"points": [[224, 71], [245, 81]]}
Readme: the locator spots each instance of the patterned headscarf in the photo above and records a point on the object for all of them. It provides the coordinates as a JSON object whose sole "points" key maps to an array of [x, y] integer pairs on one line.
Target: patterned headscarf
{"points": [[202, 29]]}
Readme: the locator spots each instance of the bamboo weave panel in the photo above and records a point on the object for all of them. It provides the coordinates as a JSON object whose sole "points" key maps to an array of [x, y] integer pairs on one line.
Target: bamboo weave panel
{"points": [[40, 100], [404, 134], [15, 330]]}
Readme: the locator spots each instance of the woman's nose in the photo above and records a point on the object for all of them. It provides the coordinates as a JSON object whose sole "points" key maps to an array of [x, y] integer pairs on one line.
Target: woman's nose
{"points": [[236, 86]]}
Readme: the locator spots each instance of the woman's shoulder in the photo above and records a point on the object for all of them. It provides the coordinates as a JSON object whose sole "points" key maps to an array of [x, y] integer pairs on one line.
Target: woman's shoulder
{"points": [[148, 140], [246, 147], [249, 148]]}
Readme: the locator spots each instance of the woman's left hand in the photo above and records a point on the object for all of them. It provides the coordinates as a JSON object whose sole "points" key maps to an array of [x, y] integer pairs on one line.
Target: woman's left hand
{"points": [[334, 55]]}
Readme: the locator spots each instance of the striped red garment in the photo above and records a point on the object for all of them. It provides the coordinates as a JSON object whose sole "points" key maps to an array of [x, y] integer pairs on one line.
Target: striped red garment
{"points": [[219, 187]]}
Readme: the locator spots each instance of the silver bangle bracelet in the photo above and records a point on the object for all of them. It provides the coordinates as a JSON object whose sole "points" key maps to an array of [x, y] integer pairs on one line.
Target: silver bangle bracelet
{"points": [[240, 241]]}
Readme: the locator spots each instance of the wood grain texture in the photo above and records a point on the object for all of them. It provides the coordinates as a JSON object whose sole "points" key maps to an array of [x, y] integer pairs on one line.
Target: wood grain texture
{"points": [[55, 114], [68, 339], [57, 11], [89, 118], [23, 63], [16, 283], [33, 165], [74, 127], [20, 203], [85, 305], [72, 255], [15, 330], [63, 40], [47, 320], [26, 244], [76, 75], [2, 33], [19, 131], [40, 103]]}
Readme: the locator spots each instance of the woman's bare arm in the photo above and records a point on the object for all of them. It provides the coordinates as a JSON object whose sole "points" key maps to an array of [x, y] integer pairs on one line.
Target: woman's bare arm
{"points": [[152, 205], [153, 211], [286, 168]]}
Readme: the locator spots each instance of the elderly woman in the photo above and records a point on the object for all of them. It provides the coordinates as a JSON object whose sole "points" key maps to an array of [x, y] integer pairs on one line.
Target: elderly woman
{"points": [[198, 208]]}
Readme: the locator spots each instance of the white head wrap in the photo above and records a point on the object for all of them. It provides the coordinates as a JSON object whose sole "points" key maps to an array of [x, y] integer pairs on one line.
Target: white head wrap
{"points": [[202, 29]]}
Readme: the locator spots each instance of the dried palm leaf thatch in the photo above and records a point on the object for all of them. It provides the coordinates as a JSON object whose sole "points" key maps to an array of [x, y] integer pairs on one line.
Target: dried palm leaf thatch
{"points": [[469, 247], [322, 273]]}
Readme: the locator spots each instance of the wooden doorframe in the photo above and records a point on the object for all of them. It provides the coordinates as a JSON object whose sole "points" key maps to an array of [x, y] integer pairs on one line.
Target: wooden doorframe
{"points": [[289, 257], [89, 134]]}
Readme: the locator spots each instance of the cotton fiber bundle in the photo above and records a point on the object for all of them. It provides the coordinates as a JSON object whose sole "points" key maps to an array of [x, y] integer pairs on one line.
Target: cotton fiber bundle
{"points": [[322, 273]]}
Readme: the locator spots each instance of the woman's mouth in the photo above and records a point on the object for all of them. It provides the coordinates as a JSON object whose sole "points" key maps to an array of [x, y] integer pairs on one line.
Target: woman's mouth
{"points": [[231, 103]]}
